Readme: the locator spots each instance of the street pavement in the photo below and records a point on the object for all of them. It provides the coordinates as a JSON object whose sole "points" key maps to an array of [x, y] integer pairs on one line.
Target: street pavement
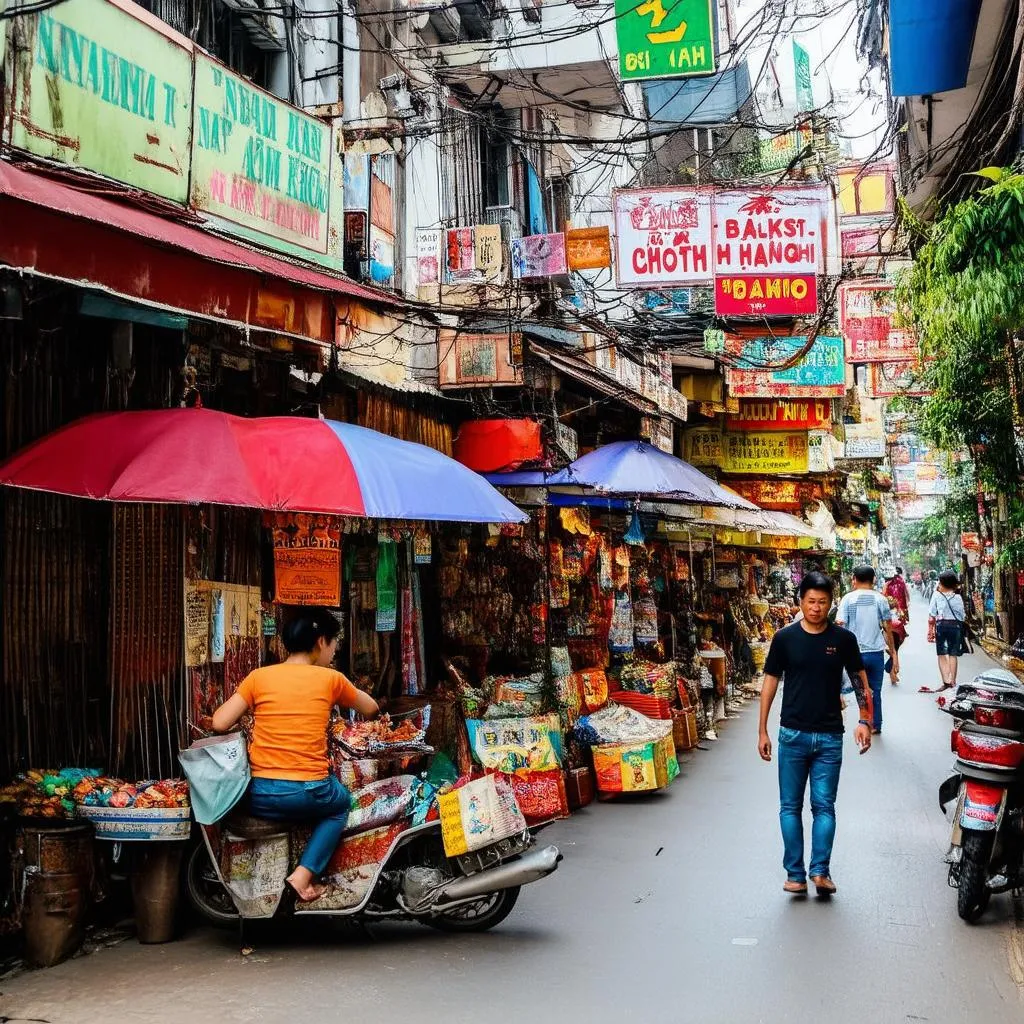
{"points": [[667, 908]]}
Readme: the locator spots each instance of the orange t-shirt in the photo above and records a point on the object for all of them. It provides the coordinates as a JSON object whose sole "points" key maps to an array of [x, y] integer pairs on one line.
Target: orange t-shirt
{"points": [[291, 705]]}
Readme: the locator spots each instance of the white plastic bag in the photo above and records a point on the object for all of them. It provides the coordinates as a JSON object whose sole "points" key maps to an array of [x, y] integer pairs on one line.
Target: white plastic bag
{"points": [[217, 769]]}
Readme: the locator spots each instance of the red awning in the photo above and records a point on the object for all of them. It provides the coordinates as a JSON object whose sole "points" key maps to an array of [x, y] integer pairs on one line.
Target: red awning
{"points": [[60, 231]]}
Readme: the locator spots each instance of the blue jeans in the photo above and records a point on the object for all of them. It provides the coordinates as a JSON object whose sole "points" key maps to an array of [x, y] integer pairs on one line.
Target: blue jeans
{"points": [[326, 801], [818, 756], [874, 665]]}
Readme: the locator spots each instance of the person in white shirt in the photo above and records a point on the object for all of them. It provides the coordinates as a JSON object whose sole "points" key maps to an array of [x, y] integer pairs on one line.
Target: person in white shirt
{"points": [[947, 624]]}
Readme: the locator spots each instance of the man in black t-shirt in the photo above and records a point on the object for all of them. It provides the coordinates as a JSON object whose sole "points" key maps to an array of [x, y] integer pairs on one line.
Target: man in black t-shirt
{"points": [[812, 654]]}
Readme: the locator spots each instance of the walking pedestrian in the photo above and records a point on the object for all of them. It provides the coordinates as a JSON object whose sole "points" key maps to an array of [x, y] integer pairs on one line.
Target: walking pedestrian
{"points": [[947, 628], [895, 591], [866, 613], [811, 654]]}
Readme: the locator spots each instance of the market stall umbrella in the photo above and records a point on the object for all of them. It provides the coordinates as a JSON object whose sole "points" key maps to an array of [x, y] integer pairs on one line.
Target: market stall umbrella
{"points": [[275, 463], [638, 468]]}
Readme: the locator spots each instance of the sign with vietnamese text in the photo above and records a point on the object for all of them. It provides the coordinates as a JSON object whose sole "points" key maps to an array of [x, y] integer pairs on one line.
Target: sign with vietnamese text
{"points": [[762, 237], [307, 559], [538, 256], [819, 373], [782, 414], [775, 495], [263, 166], [748, 452], [588, 248], [864, 441], [428, 255], [96, 88], [662, 237], [820, 452], [866, 323], [665, 38]]}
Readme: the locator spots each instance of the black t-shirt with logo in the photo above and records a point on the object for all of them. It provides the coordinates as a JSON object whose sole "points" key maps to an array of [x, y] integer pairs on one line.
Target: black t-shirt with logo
{"points": [[812, 664]]}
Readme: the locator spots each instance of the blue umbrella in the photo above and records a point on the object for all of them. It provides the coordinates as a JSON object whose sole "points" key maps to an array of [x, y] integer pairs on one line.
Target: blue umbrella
{"points": [[638, 468]]}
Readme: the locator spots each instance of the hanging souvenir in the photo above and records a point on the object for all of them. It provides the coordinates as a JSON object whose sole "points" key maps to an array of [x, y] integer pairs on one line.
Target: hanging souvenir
{"points": [[604, 566], [645, 621], [572, 561], [620, 636], [422, 547], [387, 586]]}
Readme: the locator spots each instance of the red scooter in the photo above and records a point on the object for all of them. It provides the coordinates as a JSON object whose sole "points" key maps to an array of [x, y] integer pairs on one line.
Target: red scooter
{"points": [[987, 845]]}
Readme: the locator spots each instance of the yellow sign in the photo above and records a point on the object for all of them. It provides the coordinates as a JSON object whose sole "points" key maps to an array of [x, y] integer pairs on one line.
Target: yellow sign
{"points": [[703, 446], [756, 451]]}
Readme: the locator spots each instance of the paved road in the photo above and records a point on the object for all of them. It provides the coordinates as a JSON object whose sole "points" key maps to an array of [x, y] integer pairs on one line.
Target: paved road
{"points": [[698, 932]]}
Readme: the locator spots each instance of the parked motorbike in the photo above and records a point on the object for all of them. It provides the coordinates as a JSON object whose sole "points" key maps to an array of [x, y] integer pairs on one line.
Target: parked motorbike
{"points": [[393, 869], [987, 844]]}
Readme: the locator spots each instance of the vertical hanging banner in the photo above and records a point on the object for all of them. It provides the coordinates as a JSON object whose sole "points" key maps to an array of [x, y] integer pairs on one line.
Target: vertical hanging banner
{"points": [[488, 249], [538, 256], [461, 254], [307, 559], [662, 237], [802, 70], [769, 246], [665, 38], [428, 256]]}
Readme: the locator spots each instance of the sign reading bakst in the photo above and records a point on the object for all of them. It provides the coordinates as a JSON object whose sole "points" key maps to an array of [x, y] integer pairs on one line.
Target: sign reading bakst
{"points": [[262, 165]]}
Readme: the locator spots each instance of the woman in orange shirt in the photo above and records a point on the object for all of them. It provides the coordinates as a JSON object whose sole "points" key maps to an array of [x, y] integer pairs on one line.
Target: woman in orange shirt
{"points": [[291, 704]]}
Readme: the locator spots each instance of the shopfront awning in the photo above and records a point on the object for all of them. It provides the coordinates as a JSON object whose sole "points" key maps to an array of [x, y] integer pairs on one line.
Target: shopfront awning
{"points": [[58, 231], [592, 378]]}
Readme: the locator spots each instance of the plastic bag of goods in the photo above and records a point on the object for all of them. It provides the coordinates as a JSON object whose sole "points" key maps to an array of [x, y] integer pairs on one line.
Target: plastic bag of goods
{"points": [[618, 724], [381, 803], [593, 684], [625, 767], [479, 814], [379, 736], [541, 795], [510, 745]]}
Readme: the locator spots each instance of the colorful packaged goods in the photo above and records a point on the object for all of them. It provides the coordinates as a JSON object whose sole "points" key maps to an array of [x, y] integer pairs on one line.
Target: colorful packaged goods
{"points": [[618, 724], [635, 767], [479, 813], [594, 685], [541, 795], [511, 745], [378, 736]]}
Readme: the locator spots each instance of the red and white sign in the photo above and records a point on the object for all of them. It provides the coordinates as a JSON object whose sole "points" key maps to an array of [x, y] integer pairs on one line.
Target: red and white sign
{"points": [[865, 321], [769, 245], [766, 295], [662, 237]]}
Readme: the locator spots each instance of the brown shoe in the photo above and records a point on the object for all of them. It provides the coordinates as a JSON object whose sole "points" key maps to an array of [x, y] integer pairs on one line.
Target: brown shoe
{"points": [[824, 885], [795, 888]]}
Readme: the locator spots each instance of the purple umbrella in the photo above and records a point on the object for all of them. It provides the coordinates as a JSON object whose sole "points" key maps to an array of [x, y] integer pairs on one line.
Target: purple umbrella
{"points": [[640, 469]]}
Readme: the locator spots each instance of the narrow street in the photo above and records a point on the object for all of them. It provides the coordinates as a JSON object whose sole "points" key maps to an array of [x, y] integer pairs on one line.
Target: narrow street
{"points": [[678, 893]]}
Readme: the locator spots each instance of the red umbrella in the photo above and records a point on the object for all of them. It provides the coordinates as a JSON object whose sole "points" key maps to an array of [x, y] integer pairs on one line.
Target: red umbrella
{"points": [[283, 463]]}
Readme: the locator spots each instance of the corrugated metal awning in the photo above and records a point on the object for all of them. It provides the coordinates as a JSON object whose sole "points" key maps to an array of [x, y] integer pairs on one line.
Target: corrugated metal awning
{"points": [[593, 379]]}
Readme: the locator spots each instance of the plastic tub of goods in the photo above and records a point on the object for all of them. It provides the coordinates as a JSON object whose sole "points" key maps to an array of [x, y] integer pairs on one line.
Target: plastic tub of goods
{"points": [[126, 824]]}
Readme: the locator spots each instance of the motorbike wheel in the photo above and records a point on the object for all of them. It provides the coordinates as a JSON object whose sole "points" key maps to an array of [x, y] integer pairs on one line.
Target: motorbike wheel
{"points": [[972, 894], [206, 895], [479, 916]]}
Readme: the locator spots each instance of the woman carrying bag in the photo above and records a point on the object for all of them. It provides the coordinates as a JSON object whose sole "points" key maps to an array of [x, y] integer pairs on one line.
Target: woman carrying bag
{"points": [[947, 629]]}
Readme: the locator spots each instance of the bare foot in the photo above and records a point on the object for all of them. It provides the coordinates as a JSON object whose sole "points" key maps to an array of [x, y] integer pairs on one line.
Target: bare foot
{"points": [[301, 881]]}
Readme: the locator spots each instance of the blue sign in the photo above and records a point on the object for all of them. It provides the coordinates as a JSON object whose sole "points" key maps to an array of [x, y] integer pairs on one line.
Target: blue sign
{"points": [[820, 373]]}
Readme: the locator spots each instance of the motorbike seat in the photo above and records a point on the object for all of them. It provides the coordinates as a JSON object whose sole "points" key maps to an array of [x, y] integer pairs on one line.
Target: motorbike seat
{"points": [[240, 823]]}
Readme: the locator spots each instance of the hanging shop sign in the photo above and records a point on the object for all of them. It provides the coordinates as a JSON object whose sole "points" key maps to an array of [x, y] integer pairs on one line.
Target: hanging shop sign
{"points": [[782, 414], [538, 256], [775, 495], [864, 441], [588, 248], [769, 248], [428, 256], [461, 255], [660, 431], [702, 446], [820, 373], [263, 167], [747, 452], [821, 456], [382, 256], [488, 248], [802, 70], [779, 151], [866, 323], [94, 87], [886, 380], [307, 559], [765, 452], [662, 237], [478, 360], [665, 38], [567, 441]]}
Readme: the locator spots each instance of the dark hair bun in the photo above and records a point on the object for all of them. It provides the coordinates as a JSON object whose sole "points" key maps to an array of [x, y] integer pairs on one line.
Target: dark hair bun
{"points": [[304, 626]]}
